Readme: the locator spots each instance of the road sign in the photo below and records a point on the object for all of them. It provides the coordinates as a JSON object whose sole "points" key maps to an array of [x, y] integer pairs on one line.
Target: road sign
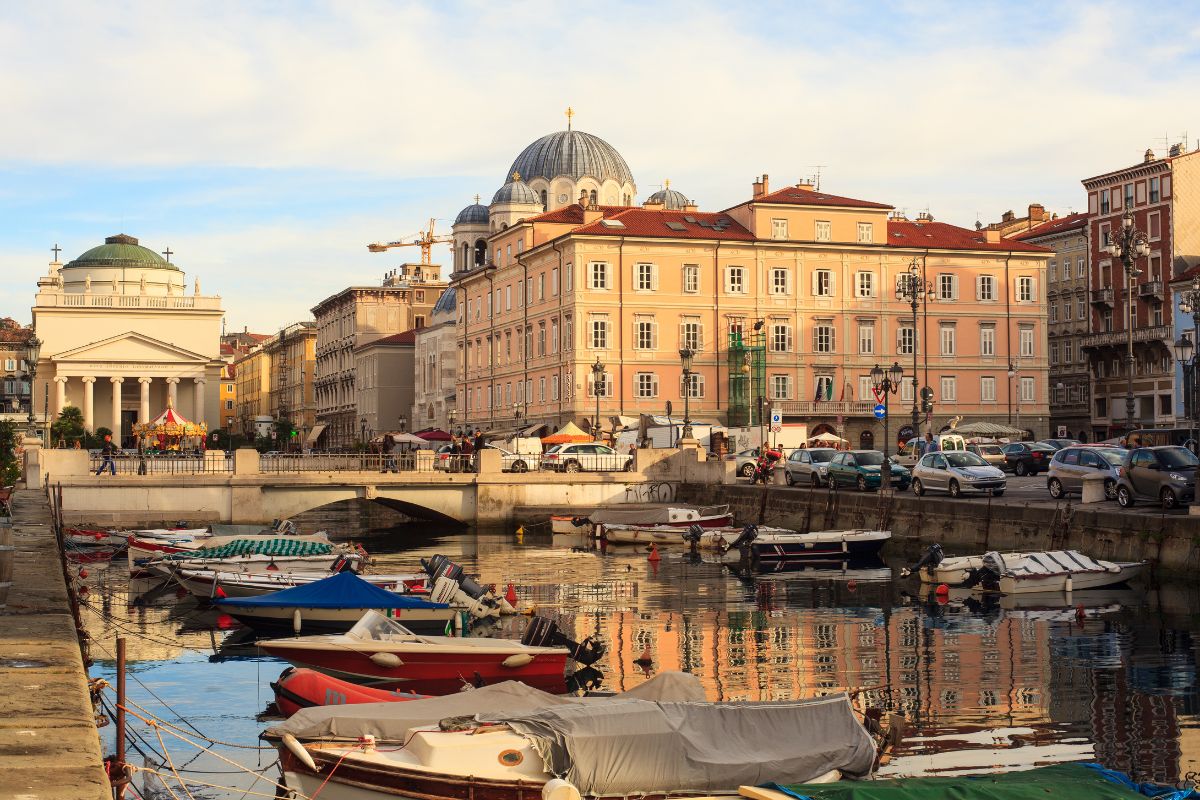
{"points": [[1062, 431], [880, 411], [776, 419]]}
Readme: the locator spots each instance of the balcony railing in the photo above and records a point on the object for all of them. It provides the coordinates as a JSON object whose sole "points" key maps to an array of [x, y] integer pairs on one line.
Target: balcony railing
{"points": [[1155, 333], [1102, 297], [1152, 290], [850, 408], [60, 299]]}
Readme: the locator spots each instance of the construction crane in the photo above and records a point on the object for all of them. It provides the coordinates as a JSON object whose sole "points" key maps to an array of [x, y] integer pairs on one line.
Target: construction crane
{"points": [[425, 240]]}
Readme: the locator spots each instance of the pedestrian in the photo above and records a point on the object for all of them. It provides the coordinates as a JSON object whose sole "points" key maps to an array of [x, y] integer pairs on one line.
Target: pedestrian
{"points": [[106, 456], [479, 440], [931, 445], [389, 454]]}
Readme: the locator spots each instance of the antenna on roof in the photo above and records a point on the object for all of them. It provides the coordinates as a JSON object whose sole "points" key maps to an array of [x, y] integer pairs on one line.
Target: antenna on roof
{"points": [[817, 176]]}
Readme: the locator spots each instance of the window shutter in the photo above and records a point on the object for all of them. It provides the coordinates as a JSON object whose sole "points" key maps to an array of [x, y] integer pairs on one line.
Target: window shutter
{"points": [[814, 338], [654, 277], [954, 286], [607, 334], [1033, 290], [815, 284], [978, 287], [728, 280], [787, 339], [832, 283], [654, 336], [682, 335], [654, 385], [699, 336]]}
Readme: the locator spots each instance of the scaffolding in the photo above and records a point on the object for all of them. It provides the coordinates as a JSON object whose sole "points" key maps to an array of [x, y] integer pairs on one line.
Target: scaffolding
{"points": [[747, 387]]}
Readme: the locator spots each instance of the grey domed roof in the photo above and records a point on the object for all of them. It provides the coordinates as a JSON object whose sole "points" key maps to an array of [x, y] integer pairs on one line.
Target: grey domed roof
{"points": [[447, 303], [670, 198], [574, 154], [516, 191], [475, 214], [121, 250]]}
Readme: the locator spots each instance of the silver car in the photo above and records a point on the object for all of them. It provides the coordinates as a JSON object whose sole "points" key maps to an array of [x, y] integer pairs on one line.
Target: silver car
{"points": [[1069, 465], [745, 461], [808, 466], [957, 472]]}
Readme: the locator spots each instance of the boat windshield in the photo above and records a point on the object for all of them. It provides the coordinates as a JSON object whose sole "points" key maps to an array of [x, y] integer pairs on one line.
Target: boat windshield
{"points": [[375, 627]]}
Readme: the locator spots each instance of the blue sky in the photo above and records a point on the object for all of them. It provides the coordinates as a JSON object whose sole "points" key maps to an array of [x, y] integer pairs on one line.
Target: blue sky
{"points": [[267, 143]]}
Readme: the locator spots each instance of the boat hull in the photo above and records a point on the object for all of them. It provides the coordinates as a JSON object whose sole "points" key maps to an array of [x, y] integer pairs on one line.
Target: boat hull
{"points": [[818, 545], [204, 584], [306, 688], [956, 569], [1069, 582], [281, 621]]}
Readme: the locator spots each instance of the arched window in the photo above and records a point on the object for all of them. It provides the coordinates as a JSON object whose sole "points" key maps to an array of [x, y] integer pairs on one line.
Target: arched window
{"points": [[544, 198], [480, 252], [592, 197]]}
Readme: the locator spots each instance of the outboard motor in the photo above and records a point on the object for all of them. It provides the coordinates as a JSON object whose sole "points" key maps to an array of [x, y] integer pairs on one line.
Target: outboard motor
{"points": [[988, 576], [748, 535], [933, 556], [579, 522], [544, 632], [692, 535], [450, 585], [441, 567]]}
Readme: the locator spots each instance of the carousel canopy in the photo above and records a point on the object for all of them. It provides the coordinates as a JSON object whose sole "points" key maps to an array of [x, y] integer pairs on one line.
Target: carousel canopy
{"points": [[170, 423]]}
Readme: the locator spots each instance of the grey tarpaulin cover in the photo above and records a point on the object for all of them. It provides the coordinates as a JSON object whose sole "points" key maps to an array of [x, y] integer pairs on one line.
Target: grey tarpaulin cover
{"points": [[393, 720], [637, 746]]}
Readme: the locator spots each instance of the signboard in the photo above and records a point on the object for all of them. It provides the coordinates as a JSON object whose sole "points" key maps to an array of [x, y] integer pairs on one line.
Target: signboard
{"points": [[879, 411], [1062, 431], [776, 419]]}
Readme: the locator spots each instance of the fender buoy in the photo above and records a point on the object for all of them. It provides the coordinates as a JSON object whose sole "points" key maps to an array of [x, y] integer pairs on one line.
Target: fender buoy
{"points": [[942, 590], [516, 660], [387, 660], [654, 556], [295, 748]]}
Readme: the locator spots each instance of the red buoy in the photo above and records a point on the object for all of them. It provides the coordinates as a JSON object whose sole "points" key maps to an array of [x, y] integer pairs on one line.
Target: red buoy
{"points": [[654, 556], [1080, 614], [83, 573], [942, 590], [645, 659], [511, 595], [852, 584]]}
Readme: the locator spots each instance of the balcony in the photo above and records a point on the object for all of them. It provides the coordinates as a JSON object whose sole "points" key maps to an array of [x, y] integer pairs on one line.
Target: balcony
{"points": [[1102, 297], [824, 408], [1157, 333], [1151, 290]]}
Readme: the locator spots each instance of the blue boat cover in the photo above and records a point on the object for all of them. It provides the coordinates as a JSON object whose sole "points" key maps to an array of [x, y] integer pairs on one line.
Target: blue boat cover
{"points": [[344, 590]]}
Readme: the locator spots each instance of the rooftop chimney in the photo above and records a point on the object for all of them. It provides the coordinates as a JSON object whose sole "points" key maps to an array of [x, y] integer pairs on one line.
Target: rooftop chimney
{"points": [[991, 234], [1007, 216], [653, 205], [757, 187], [766, 184], [1148, 157], [690, 208], [807, 185]]}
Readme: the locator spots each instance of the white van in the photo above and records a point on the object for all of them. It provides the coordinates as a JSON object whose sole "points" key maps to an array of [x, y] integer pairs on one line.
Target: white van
{"points": [[909, 454]]}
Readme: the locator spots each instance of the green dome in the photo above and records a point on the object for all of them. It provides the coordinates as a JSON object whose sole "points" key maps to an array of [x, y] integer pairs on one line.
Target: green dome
{"points": [[122, 251]]}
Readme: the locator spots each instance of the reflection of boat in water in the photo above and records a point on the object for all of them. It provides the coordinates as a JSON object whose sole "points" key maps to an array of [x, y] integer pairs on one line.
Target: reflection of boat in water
{"points": [[865, 570]]}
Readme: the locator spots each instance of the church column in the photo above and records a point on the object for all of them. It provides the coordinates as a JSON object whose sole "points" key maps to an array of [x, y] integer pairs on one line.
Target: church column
{"points": [[116, 409], [60, 394], [172, 391], [89, 384], [144, 400], [198, 400]]}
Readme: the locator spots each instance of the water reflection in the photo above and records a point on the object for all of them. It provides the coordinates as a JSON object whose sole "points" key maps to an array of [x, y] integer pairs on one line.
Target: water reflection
{"points": [[1109, 676]]}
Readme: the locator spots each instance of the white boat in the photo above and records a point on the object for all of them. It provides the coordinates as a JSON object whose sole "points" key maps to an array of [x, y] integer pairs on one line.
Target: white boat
{"points": [[709, 538], [211, 583], [1056, 571], [143, 550], [704, 516], [955, 569], [852, 543]]}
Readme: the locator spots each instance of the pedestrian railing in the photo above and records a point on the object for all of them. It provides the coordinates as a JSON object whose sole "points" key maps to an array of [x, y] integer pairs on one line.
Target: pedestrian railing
{"points": [[348, 462], [162, 464]]}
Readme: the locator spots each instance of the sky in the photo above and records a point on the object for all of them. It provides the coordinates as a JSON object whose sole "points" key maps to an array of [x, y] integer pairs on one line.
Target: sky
{"points": [[266, 143]]}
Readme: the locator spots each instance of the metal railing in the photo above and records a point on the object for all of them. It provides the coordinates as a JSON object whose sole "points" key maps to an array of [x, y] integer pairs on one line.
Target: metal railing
{"points": [[157, 464], [1102, 296]]}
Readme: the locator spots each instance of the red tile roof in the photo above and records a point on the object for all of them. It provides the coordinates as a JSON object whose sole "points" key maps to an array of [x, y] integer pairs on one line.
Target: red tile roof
{"points": [[1187, 275], [1077, 221], [687, 225], [573, 214], [407, 337], [795, 196], [228, 349], [942, 236]]}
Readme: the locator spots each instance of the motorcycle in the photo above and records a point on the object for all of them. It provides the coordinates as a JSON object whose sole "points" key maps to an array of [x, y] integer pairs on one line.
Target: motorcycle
{"points": [[764, 467]]}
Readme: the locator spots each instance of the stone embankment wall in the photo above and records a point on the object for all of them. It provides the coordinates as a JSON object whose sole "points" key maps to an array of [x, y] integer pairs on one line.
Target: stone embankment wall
{"points": [[1170, 542]]}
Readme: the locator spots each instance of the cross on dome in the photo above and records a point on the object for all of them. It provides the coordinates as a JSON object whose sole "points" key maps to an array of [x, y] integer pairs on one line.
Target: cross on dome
{"points": [[570, 112]]}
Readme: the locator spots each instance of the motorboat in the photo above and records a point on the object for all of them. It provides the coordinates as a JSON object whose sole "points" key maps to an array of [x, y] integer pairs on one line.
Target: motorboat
{"points": [[513, 742], [299, 688], [704, 538], [206, 583], [704, 516], [259, 554], [333, 605], [79, 537], [936, 567], [381, 652], [1051, 571], [755, 547], [147, 545]]}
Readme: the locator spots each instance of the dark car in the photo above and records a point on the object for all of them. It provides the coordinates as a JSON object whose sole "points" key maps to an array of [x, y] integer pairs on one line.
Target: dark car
{"points": [[1026, 458], [1059, 444], [862, 468], [1165, 474]]}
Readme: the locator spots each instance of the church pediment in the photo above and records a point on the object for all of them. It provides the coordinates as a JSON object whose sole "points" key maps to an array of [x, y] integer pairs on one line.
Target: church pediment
{"points": [[131, 347]]}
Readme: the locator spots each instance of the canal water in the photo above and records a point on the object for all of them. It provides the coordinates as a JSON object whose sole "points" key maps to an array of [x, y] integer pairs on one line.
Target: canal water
{"points": [[1110, 677]]}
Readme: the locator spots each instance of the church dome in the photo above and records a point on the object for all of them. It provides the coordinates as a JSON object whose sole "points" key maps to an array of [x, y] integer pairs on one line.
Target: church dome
{"points": [[670, 199], [475, 214], [121, 251], [573, 154], [447, 303], [516, 191]]}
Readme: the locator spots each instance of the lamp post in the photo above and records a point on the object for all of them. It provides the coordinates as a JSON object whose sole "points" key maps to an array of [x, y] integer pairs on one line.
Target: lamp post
{"points": [[363, 430], [34, 354], [886, 383], [518, 412], [597, 377], [451, 415], [1129, 245], [685, 359], [1014, 371], [1189, 303], [1185, 351], [911, 288]]}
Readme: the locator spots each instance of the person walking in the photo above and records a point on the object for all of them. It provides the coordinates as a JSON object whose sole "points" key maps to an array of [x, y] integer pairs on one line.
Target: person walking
{"points": [[106, 453], [931, 445], [480, 442]]}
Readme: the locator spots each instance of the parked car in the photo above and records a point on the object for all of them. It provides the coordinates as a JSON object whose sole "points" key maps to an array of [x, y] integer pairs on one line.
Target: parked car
{"points": [[515, 462], [1166, 474], [808, 465], [860, 468], [957, 472], [745, 461], [1059, 444], [1026, 458], [586, 458], [911, 451], [991, 453], [1069, 465]]}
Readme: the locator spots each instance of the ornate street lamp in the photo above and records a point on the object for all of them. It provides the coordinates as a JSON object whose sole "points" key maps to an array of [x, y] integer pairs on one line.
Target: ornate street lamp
{"points": [[1189, 303], [911, 288], [34, 353], [685, 359], [1185, 352], [1129, 245], [886, 383], [451, 415], [597, 377]]}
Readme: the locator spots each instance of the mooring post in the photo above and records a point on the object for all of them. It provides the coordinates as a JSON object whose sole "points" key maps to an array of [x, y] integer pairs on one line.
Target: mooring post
{"points": [[119, 766]]}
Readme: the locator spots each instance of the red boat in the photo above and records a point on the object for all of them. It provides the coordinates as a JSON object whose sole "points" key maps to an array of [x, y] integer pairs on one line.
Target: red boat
{"points": [[299, 688], [381, 653]]}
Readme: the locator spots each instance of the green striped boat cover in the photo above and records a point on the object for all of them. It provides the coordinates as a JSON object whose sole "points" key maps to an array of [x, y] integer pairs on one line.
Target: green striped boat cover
{"points": [[258, 547]]}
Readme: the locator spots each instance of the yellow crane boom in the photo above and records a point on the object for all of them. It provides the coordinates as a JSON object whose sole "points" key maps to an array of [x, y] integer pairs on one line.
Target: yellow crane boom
{"points": [[426, 239]]}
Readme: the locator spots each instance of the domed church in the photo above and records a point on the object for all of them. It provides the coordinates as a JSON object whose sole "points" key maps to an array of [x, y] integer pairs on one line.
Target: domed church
{"points": [[553, 171]]}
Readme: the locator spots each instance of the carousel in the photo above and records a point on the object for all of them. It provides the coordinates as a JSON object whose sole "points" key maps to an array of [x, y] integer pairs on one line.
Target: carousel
{"points": [[171, 432]]}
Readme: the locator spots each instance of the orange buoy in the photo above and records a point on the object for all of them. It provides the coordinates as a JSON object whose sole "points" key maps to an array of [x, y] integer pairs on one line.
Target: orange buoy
{"points": [[654, 556], [511, 595], [852, 584], [645, 659], [942, 590]]}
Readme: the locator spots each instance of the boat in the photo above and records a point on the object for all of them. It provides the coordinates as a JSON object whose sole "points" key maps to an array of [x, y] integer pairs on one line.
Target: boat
{"points": [[147, 545], [935, 567], [206, 583], [829, 545], [1053, 571], [704, 516], [299, 688], [94, 537], [704, 538], [513, 742], [381, 652], [259, 554], [333, 605]]}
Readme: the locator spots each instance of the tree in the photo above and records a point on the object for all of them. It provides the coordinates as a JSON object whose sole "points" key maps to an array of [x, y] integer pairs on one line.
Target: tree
{"points": [[10, 469], [69, 425]]}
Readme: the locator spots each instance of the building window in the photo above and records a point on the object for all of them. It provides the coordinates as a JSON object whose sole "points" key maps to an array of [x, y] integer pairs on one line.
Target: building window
{"points": [[1025, 289], [693, 387], [1026, 339], [906, 390], [569, 275], [541, 339], [823, 283], [1068, 351], [905, 341], [568, 334], [647, 278], [599, 273], [866, 338], [553, 387], [946, 335], [599, 334], [645, 334], [229, 405], [735, 280], [824, 231], [781, 387], [987, 389], [949, 390], [947, 287], [1053, 352], [553, 336], [985, 288], [228, 386], [866, 233], [541, 284], [1154, 226], [1129, 195], [554, 282], [1053, 271], [824, 388], [1154, 193], [865, 284], [691, 278], [779, 229], [781, 338], [1067, 311], [823, 339], [1054, 311], [1027, 390], [645, 384], [1105, 201], [865, 391], [541, 390], [779, 281], [690, 334]]}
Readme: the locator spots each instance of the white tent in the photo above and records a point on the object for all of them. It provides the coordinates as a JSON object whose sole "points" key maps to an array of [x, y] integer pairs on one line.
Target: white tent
{"points": [[826, 438]]}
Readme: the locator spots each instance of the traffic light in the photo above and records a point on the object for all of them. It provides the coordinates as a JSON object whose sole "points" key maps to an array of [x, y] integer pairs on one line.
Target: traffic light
{"points": [[294, 433], [927, 400]]}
